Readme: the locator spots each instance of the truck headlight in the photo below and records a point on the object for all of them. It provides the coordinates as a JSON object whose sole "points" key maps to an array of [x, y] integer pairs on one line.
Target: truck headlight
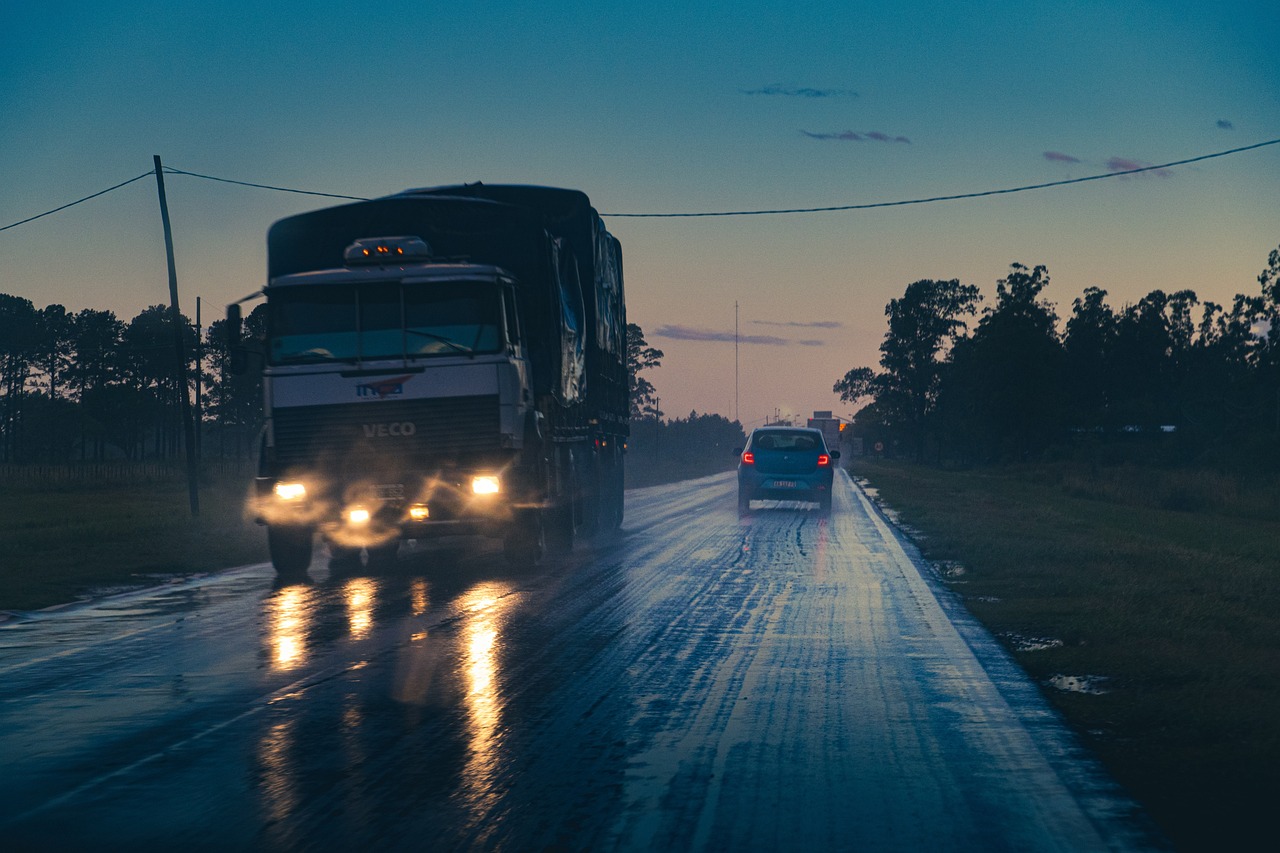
{"points": [[358, 515], [290, 491], [485, 485]]}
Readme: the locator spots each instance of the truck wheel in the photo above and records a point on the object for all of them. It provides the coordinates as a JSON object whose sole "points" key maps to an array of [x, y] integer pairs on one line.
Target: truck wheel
{"points": [[617, 491], [558, 526], [384, 555], [522, 546], [592, 498], [290, 549], [342, 556]]}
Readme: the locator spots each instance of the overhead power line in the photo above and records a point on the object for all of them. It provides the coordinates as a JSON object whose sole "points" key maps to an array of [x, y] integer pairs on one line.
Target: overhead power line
{"points": [[145, 174], [761, 212], [174, 171], [932, 199]]}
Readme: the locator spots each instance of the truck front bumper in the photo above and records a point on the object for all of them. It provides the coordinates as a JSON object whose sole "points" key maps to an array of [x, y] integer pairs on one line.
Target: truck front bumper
{"points": [[368, 513]]}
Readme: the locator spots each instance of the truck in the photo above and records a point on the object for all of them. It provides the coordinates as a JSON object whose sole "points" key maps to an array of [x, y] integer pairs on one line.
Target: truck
{"points": [[442, 361], [829, 425]]}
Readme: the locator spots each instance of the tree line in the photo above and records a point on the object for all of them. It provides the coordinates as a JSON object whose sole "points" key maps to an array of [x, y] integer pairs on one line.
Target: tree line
{"points": [[88, 386], [667, 449], [1167, 378]]}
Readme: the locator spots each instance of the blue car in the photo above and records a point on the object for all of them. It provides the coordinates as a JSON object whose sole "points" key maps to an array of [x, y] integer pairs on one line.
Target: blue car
{"points": [[786, 464]]}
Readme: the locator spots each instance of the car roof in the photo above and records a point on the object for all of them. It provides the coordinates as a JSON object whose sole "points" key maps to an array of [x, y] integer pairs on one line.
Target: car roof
{"points": [[786, 429]]}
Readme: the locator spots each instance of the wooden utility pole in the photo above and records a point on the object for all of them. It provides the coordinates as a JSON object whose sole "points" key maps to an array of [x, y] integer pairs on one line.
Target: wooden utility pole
{"points": [[184, 396]]}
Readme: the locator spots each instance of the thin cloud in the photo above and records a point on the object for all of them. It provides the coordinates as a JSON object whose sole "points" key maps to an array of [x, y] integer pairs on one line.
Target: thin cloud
{"points": [[801, 92], [1124, 164], [856, 136], [816, 324], [690, 333], [1223, 124], [1059, 157]]}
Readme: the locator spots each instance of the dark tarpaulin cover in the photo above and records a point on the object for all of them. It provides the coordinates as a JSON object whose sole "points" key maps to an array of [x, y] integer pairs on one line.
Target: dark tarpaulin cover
{"points": [[505, 232]]}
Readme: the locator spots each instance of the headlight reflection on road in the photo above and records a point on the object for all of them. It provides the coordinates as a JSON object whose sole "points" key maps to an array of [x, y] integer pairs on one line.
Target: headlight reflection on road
{"points": [[360, 593], [418, 596], [280, 796], [482, 647], [289, 615]]}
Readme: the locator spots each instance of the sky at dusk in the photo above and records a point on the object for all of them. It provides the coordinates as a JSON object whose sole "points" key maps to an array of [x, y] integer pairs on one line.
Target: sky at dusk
{"points": [[661, 108]]}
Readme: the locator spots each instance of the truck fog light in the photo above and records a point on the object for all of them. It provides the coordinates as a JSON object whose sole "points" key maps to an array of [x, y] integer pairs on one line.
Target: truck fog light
{"points": [[419, 512], [290, 491], [486, 485], [358, 515]]}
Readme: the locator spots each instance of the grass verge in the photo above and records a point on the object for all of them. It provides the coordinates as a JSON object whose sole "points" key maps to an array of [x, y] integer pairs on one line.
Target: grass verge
{"points": [[58, 542], [1162, 584]]}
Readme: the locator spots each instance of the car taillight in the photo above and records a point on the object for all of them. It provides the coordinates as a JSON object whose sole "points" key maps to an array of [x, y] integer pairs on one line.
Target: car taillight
{"points": [[748, 458], [823, 460]]}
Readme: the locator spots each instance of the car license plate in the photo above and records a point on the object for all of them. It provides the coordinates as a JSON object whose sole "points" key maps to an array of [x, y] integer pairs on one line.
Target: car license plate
{"points": [[785, 484]]}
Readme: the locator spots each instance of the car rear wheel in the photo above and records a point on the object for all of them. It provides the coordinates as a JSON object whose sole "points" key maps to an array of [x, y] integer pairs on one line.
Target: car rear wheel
{"points": [[824, 504], [744, 501]]}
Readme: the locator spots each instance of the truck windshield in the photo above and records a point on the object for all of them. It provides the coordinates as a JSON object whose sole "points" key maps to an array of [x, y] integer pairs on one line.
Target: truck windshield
{"points": [[384, 320]]}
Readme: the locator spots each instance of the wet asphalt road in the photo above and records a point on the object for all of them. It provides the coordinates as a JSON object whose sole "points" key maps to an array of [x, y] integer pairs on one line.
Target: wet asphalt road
{"points": [[780, 682]]}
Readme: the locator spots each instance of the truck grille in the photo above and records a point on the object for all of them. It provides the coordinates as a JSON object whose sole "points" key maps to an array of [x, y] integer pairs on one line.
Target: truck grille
{"points": [[405, 434]]}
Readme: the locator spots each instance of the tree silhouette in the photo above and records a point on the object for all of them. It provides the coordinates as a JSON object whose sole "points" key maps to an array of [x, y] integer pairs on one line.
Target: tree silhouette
{"points": [[19, 342], [923, 324], [1006, 378], [641, 356]]}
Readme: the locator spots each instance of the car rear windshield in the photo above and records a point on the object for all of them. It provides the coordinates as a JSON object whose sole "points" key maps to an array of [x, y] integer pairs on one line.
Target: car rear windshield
{"points": [[779, 440]]}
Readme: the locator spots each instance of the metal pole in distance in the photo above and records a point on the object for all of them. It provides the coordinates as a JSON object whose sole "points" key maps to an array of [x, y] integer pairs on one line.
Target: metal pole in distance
{"points": [[736, 417], [199, 415], [183, 395]]}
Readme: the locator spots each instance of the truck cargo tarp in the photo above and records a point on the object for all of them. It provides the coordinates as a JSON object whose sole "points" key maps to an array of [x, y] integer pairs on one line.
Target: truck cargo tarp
{"points": [[462, 229]]}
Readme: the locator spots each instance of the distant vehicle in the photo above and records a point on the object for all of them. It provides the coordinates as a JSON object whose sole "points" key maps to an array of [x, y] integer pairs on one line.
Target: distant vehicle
{"points": [[786, 464], [442, 361], [829, 426]]}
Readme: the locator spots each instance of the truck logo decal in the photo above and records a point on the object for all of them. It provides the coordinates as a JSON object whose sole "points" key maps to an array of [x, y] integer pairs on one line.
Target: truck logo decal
{"points": [[396, 428], [383, 388]]}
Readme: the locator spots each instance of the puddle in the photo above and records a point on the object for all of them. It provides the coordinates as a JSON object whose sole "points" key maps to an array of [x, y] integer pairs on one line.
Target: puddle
{"points": [[986, 599], [1094, 685], [949, 570], [1023, 643], [138, 581]]}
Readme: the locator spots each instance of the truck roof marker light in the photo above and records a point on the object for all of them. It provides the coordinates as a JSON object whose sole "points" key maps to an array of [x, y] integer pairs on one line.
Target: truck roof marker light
{"points": [[369, 250]]}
